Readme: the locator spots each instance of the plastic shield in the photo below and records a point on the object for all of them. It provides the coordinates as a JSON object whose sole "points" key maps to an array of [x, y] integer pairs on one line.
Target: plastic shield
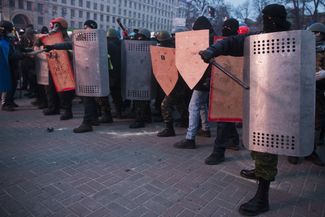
{"points": [[279, 107], [188, 61], [91, 62], [226, 96], [164, 68], [59, 64]]}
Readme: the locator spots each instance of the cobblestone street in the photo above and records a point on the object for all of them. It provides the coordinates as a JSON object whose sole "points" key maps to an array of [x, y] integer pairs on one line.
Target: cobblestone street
{"points": [[117, 171]]}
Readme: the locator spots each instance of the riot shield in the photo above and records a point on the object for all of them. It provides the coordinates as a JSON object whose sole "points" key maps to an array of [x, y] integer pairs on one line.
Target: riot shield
{"points": [[136, 70], [279, 107], [226, 96], [41, 68], [59, 64], [90, 62], [188, 61], [164, 68]]}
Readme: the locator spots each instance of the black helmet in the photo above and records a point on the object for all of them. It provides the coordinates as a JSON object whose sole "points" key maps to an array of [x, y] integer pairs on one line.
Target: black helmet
{"points": [[163, 36], [144, 32], [112, 33], [91, 24], [6, 26]]}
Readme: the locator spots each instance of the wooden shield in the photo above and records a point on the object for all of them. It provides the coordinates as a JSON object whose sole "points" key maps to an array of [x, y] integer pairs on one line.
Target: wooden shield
{"points": [[59, 64], [188, 61], [226, 96], [164, 68]]}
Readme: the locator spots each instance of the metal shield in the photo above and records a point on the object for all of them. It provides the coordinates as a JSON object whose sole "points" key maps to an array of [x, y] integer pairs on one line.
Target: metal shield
{"points": [[279, 107], [59, 64], [188, 61], [136, 70], [164, 68], [91, 62], [226, 96]]}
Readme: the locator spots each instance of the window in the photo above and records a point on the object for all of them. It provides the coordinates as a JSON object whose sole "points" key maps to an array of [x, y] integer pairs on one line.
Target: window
{"points": [[72, 14], [40, 20], [72, 24], [113, 19], [107, 8], [95, 6], [95, 16], [114, 10], [64, 1], [29, 5], [101, 7], [39, 8], [102, 17], [63, 12], [73, 2], [21, 4], [80, 3], [80, 25], [88, 15], [54, 11], [88, 4], [107, 18], [80, 14], [12, 3]]}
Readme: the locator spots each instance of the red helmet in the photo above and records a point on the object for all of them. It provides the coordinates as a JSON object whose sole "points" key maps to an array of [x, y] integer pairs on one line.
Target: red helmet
{"points": [[61, 21], [243, 30]]}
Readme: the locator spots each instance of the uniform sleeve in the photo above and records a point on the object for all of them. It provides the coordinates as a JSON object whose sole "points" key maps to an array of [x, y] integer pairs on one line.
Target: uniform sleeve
{"points": [[233, 46]]}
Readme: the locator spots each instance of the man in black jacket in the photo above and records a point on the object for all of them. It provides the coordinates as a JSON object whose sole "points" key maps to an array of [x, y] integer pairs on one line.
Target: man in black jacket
{"points": [[274, 20]]}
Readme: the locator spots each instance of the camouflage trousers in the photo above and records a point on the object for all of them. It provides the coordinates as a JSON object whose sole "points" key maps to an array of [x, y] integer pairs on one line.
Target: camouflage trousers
{"points": [[265, 165], [167, 107]]}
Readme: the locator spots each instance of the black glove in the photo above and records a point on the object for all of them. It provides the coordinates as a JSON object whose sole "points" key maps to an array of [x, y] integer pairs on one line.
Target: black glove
{"points": [[206, 55], [48, 48]]}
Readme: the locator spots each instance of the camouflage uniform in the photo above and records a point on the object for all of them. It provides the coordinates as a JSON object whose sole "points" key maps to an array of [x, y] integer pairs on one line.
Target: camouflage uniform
{"points": [[265, 165]]}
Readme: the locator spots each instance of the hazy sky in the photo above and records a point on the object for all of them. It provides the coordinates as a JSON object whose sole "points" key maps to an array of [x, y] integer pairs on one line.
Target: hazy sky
{"points": [[235, 2]]}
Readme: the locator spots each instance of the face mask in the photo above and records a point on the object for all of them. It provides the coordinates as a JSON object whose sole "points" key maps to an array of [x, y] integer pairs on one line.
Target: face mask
{"points": [[55, 27]]}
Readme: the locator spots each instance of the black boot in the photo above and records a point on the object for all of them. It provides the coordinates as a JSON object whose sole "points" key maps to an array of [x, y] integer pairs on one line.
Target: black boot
{"points": [[67, 114], [168, 131], [185, 144], [106, 118], [84, 127], [260, 202], [215, 158], [293, 160], [51, 111], [248, 174]]}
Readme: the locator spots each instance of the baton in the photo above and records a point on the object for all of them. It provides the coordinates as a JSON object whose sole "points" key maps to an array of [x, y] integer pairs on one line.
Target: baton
{"points": [[35, 52], [229, 74]]}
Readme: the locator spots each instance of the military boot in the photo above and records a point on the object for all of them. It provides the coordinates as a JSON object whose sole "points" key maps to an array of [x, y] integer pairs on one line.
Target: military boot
{"points": [[106, 118], [215, 158], [167, 132], [185, 144], [50, 111], [260, 202], [84, 127], [248, 174], [315, 159], [67, 114]]}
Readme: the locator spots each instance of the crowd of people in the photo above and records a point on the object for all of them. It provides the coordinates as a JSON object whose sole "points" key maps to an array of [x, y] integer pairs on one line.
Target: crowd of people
{"points": [[191, 105]]}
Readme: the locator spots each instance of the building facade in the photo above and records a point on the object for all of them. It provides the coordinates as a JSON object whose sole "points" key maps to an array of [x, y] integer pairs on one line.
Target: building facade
{"points": [[151, 14]]}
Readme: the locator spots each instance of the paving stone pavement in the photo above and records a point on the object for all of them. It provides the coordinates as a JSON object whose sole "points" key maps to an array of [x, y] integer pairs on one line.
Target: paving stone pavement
{"points": [[117, 171]]}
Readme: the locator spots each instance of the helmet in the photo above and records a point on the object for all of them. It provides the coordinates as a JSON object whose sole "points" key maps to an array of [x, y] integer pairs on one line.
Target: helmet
{"points": [[91, 24], [243, 30], [6, 26], [179, 29], [61, 21], [112, 33], [317, 27], [145, 32], [163, 36]]}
